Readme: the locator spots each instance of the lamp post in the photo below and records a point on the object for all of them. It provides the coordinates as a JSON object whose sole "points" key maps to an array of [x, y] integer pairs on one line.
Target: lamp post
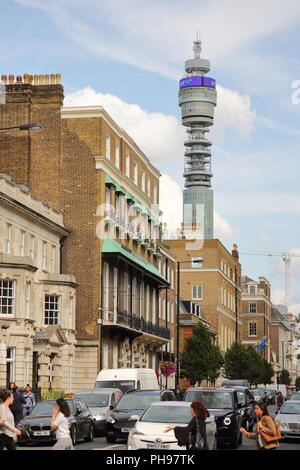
{"points": [[35, 127], [177, 321]]}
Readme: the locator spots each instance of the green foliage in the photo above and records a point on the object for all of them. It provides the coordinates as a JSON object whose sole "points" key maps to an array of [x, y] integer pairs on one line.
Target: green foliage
{"points": [[202, 360], [246, 363], [52, 394], [297, 382], [284, 377]]}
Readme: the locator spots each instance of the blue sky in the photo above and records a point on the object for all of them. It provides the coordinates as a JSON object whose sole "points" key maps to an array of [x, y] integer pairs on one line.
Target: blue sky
{"points": [[131, 52]]}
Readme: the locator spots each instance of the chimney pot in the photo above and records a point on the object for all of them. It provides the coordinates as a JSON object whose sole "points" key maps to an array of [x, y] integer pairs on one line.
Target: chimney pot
{"points": [[52, 79], [36, 79], [58, 78], [46, 79], [11, 79], [30, 79], [26, 78], [4, 78], [41, 79], [19, 79]]}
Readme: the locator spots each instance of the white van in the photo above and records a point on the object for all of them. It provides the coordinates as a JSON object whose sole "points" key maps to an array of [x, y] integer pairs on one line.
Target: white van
{"points": [[127, 379]]}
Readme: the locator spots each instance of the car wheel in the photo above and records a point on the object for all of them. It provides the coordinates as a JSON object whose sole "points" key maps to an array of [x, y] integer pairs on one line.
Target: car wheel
{"points": [[74, 435], [110, 439], [90, 436]]}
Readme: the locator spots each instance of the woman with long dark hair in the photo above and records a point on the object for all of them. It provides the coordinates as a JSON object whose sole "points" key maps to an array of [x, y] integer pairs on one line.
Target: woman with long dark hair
{"points": [[8, 431], [265, 430], [188, 435], [17, 406], [60, 423]]}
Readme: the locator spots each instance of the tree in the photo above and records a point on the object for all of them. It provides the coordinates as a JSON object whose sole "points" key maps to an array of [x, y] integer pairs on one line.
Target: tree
{"points": [[202, 360], [297, 382], [267, 372], [284, 377], [235, 362]]}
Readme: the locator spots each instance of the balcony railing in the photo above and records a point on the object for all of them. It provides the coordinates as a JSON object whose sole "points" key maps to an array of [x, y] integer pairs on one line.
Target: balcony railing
{"points": [[132, 321]]}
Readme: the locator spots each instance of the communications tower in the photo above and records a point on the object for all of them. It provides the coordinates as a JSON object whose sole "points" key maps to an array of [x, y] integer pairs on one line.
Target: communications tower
{"points": [[197, 100]]}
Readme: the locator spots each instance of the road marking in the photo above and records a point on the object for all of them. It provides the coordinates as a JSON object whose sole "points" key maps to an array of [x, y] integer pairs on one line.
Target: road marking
{"points": [[110, 447]]}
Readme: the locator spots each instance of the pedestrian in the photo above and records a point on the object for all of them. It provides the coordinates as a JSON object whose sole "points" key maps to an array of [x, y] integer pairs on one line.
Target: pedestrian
{"points": [[193, 436], [17, 406], [266, 433], [29, 401], [8, 431], [60, 423], [279, 400]]}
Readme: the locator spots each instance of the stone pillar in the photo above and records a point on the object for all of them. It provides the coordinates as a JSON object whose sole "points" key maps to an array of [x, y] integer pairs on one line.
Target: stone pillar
{"points": [[43, 370], [2, 364]]}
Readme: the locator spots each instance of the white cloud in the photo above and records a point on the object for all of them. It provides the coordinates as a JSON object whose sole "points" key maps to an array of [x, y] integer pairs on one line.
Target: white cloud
{"points": [[265, 239], [222, 228]]}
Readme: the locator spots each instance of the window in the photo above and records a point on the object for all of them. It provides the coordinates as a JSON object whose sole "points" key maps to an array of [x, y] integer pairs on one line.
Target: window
{"points": [[148, 187], [252, 290], [128, 165], [105, 356], [135, 173], [44, 255], [107, 147], [147, 302], [143, 183], [106, 289], [8, 238], [117, 156], [197, 292], [27, 300], [32, 247], [155, 194], [10, 365], [142, 297], [22, 243], [115, 356], [252, 308], [52, 260], [154, 306], [252, 329], [52, 309], [225, 296], [133, 296], [126, 286], [7, 297], [197, 262]]}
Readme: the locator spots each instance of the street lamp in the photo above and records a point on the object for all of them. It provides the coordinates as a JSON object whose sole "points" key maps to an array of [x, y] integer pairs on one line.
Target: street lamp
{"points": [[177, 319], [35, 127]]}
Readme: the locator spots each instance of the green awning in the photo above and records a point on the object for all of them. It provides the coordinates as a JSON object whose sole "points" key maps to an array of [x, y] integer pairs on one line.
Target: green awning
{"points": [[112, 246], [119, 189], [108, 180], [128, 196]]}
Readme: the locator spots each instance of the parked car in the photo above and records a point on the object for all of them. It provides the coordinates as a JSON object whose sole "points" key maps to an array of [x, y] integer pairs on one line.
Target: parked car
{"points": [[295, 396], [36, 427], [258, 394], [224, 404], [127, 379], [236, 383], [119, 421], [100, 401], [288, 418], [247, 401], [148, 432]]}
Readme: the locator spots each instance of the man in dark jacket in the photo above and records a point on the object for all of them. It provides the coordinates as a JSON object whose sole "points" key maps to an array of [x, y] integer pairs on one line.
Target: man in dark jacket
{"points": [[17, 406]]}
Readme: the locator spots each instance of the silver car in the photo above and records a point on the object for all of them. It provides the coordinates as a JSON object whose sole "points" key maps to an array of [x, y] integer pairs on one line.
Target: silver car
{"points": [[288, 418], [148, 432], [100, 401]]}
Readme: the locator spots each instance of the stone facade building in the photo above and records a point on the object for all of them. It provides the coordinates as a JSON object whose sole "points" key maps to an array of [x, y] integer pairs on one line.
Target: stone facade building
{"points": [[83, 163], [256, 313], [37, 301]]}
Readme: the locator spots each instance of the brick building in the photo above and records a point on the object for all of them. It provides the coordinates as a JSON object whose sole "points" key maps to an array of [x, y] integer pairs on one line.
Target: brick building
{"points": [[84, 164], [210, 278], [256, 313]]}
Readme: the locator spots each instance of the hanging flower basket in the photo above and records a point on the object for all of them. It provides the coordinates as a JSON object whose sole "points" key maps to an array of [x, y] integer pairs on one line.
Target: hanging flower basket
{"points": [[167, 368]]}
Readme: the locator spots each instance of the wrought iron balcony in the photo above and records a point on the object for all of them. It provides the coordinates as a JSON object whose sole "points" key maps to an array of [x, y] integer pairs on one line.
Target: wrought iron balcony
{"points": [[132, 321]]}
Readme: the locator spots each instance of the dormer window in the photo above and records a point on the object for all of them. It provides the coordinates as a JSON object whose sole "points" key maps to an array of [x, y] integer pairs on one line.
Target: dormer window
{"points": [[252, 290]]}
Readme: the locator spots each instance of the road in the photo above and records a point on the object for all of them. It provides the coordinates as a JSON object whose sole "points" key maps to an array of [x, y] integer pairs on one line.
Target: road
{"points": [[100, 443]]}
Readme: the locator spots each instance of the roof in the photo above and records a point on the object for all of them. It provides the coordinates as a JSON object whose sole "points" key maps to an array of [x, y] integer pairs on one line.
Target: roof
{"points": [[277, 316], [211, 389], [246, 279], [97, 390], [147, 392], [171, 403]]}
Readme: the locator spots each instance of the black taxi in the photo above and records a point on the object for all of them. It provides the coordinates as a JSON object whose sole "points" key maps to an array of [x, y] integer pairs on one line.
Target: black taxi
{"points": [[224, 404]]}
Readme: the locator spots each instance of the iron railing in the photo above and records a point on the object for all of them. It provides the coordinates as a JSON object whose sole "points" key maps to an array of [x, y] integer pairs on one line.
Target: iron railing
{"points": [[139, 323]]}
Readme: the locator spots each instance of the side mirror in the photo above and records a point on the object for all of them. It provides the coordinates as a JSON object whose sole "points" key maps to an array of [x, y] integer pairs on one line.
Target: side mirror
{"points": [[239, 406], [276, 412], [134, 417], [77, 412], [111, 407]]}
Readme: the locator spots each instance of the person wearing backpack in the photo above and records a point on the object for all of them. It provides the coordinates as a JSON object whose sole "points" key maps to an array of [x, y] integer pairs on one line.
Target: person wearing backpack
{"points": [[267, 432], [193, 436]]}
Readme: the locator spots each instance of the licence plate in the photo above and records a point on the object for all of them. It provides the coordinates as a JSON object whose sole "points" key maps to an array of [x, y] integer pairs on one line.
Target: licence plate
{"points": [[126, 429], [41, 433], [157, 446]]}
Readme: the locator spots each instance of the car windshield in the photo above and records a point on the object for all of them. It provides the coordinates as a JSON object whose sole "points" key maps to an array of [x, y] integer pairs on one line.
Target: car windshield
{"points": [[167, 414], [95, 399], [45, 408], [123, 385], [290, 409], [296, 396], [212, 400], [136, 401], [241, 397], [256, 392]]}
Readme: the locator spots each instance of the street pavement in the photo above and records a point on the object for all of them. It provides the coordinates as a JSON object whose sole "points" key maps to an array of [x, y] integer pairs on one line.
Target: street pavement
{"points": [[100, 443]]}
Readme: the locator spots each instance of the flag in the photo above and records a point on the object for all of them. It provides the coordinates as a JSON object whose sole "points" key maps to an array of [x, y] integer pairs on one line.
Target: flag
{"points": [[261, 344]]}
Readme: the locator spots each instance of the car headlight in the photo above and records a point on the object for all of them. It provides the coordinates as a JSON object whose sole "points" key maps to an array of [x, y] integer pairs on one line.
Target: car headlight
{"points": [[135, 432], [227, 421], [110, 419], [23, 427]]}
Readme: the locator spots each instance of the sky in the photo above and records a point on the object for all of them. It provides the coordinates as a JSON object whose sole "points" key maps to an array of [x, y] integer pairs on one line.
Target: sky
{"points": [[128, 56]]}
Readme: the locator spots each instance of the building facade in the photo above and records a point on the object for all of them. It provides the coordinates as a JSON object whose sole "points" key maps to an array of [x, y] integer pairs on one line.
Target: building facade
{"points": [[37, 301], [83, 163], [210, 277], [256, 310]]}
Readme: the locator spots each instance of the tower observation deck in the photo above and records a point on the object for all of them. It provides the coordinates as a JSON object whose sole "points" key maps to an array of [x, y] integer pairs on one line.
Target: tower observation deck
{"points": [[197, 100]]}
